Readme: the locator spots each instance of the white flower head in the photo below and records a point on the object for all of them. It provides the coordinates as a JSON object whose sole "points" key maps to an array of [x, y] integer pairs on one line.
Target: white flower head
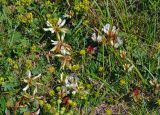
{"points": [[60, 46], [57, 28], [106, 28], [118, 43], [25, 88], [94, 37], [50, 27], [71, 82], [98, 38], [64, 51], [31, 82], [61, 22]]}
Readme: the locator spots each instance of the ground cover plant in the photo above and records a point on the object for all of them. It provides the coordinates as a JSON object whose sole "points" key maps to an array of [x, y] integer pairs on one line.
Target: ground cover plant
{"points": [[79, 57]]}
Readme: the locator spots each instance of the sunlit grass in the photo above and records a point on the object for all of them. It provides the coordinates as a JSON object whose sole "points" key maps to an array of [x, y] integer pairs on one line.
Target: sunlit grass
{"points": [[79, 57]]}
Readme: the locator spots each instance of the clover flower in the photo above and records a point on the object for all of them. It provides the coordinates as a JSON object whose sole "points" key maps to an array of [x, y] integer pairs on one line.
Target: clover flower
{"points": [[31, 82], [91, 49], [60, 46], [123, 54], [97, 38], [110, 31], [155, 84], [57, 28], [65, 60], [71, 82], [111, 35], [136, 92], [128, 67]]}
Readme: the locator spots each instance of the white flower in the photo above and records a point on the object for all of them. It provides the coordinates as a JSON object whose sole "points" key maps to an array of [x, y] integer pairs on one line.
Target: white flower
{"points": [[107, 29], [50, 27], [61, 22], [71, 82], [65, 51], [128, 68], [31, 82], [37, 112], [60, 46], [65, 60], [57, 27], [118, 43], [96, 38]]}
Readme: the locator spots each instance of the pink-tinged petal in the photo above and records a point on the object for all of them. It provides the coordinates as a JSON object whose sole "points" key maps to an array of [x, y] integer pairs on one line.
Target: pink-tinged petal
{"points": [[62, 23], [36, 77], [25, 89], [49, 24], [59, 21]]}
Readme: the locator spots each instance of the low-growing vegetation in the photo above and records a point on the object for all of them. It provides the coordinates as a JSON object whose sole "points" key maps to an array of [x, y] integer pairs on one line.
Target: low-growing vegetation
{"points": [[79, 57]]}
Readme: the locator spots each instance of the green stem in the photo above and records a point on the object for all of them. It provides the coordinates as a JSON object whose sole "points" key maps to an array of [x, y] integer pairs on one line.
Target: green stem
{"points": [[138, 72], [103, 60]]}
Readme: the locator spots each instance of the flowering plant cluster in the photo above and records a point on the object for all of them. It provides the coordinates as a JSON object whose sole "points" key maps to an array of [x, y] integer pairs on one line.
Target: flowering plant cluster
{"points": [[79, 57]]}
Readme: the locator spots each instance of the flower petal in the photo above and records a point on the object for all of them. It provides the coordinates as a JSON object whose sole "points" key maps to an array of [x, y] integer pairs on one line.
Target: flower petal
{"points": [[114, 30], [25, 89], [49, 29], [64, 51], [99, 38], [62, 37], [49, 24], [29, 74], [26, 81], [36, 77], [37, 112], [59, 21], [62, 23], [54, 42], [94, 37], [53, 49], [59, 55], [64, 30], [106, 28]]}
